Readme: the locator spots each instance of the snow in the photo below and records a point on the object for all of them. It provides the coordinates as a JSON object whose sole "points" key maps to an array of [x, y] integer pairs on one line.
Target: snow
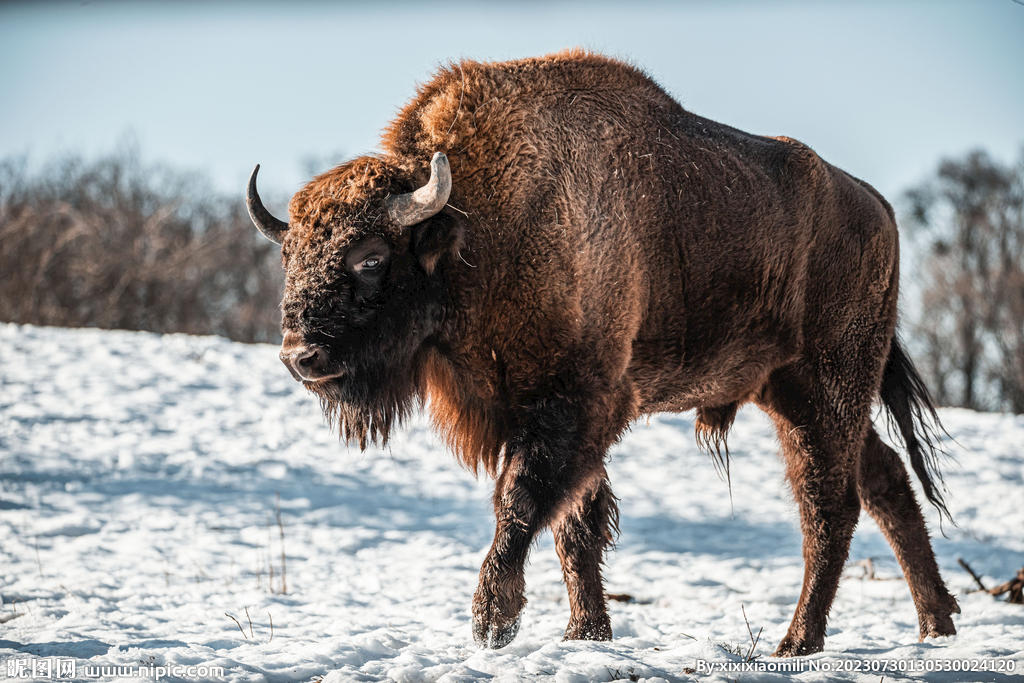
{"points": [[139, 477]]}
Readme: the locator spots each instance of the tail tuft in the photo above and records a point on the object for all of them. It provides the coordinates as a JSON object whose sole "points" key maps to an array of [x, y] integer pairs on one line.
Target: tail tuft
{"points": [[912, 413]]}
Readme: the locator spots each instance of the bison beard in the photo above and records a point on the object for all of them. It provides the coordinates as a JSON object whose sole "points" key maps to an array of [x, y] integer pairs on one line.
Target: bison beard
{"points": [[547, 250], [365, 411], [382, 385]]}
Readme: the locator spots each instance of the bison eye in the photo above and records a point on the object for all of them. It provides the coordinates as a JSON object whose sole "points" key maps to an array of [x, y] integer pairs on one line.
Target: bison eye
{"points": [[371, 267], [368, 258]]}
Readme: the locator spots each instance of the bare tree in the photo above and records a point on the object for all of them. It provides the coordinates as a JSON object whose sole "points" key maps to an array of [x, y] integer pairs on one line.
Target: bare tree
{"points": [[972, 316], [116, 244]]}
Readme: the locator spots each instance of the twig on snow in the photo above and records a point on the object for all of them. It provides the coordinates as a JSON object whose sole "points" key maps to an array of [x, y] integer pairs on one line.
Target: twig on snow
{"points": [[280, 526], [974, 576], [237, 624], [753, 640]]}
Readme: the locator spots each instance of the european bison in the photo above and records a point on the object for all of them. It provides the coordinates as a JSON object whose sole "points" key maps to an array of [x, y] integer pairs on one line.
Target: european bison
{"points": [[595, 253]]}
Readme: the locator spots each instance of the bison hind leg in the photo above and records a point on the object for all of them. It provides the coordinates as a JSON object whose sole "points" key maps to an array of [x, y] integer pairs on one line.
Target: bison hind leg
{"points": [[712, 427], [886, 494]]}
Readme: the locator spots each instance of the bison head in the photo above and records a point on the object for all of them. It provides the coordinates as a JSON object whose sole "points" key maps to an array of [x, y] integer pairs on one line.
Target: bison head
{"points": [[365, 288]]}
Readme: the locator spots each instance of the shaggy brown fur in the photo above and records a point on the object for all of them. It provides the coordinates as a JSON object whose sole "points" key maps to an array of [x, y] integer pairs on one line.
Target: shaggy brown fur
{"points": [[606, 254]]}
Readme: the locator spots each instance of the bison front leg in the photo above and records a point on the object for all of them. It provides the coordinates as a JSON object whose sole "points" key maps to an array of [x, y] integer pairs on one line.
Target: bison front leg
{"points": [[500, 596], [581, 536], [550, 464]]}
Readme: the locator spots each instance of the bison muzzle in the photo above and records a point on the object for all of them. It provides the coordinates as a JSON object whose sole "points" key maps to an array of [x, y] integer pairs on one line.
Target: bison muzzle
{"points": [[548, 249]]}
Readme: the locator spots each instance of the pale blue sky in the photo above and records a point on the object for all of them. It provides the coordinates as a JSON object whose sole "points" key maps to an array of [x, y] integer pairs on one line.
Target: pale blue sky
{"points": [[882, 89]]}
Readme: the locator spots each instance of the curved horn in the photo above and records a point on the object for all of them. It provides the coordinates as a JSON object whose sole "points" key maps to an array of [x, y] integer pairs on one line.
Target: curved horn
{"points": [[272, 228], [413, 207]]}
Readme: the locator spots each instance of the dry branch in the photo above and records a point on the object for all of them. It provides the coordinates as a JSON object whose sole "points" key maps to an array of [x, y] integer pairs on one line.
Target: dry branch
{"points": [[970, 571], [1015, 586], [237, 624]]}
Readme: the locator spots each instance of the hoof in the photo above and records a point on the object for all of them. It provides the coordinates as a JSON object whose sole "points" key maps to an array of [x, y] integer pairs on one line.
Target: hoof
{"points": [[792, 648], [940, 622], [594, 629], [496, 619], [494, 636], [937, 627]]}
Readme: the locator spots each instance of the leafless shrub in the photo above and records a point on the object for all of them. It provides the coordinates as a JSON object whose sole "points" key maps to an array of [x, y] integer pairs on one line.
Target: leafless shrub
{"points": [[119, 245], [971, 326]]}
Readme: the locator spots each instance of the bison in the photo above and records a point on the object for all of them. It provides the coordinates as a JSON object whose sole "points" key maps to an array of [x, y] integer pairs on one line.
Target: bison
{"points": [[546, 250]]}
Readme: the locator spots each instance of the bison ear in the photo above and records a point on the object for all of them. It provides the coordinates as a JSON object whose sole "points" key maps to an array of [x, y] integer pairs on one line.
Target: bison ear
{"points": [[433, 238]]}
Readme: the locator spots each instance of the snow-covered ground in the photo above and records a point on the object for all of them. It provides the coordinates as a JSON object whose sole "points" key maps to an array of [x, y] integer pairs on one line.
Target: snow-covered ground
{"points": [[139, 478]]}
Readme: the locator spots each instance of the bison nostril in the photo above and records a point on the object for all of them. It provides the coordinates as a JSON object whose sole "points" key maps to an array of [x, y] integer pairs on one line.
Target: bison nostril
{"points": [[308, 363], [310, 358]]}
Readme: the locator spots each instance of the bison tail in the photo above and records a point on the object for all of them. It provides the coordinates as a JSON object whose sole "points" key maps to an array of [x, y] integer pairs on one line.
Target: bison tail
{"points": [[912, 412]]}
